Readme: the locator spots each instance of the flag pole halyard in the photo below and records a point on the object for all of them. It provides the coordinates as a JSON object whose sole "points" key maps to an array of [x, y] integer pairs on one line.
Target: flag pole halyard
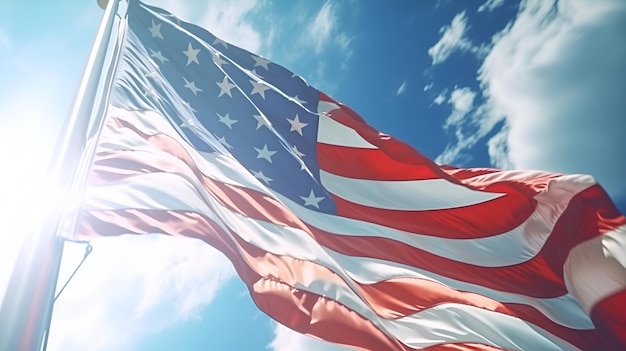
{"points": [[26, 307]]}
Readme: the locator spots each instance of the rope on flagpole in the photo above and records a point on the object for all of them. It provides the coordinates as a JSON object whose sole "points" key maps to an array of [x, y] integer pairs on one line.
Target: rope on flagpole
{"points": [[88, 250]]}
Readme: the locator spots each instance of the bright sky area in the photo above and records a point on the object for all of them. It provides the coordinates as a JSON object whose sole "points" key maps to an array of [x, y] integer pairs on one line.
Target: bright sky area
{"points": [[508, 84]]}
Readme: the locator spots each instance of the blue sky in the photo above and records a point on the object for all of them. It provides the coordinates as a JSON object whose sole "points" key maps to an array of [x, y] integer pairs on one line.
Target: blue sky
{"points": [[528, 85]]}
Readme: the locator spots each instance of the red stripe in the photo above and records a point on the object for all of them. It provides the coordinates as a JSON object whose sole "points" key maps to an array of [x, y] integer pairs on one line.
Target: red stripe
{"points": [[609, 316], [486, 219], [371, 164], [525, 182]]}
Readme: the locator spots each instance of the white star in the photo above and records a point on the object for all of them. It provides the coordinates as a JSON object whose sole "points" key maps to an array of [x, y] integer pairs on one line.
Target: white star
{"points": [[298, 100], [189, 123], [259, 88], [150, 93], [312, 200], [296, 125], [261, 176], [227, 120], [260, 61], [217, 59], [192, 86], [187, 105], [157, 55], [220, 41], [223, 141], [265, 153], [192, 54], [262, 121], [225, 87], [155, 30], [297, 152], [256, 73], [152, 74]]}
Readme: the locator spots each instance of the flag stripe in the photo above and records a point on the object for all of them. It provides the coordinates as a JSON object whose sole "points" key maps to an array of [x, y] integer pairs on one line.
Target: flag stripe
{"points": [[332, 132], [360, 163], [606, 252], [402, 194]]}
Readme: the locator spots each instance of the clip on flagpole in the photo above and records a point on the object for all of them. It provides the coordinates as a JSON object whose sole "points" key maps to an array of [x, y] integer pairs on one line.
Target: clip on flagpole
{"points": [[26, 307]]}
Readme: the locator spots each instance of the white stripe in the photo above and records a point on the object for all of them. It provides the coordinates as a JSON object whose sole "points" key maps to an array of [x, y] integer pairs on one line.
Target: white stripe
{"points": [[334, 133], [605, 254], [563, 310], [326, 106], [461, 323], [147, 192], [407, 195]]}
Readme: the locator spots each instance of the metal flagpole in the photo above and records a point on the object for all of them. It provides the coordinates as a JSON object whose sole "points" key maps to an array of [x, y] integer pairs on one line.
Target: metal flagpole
{"points": [[26, 307]]}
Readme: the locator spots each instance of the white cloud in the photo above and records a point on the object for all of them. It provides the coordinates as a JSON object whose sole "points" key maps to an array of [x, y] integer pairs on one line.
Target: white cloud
{"points": [[428, 86], [402, 88], [452, 39], [286, 339], [228, 20], [440, 98], [557, 77], [322, 33], [462, 100], [320, 29], [490, 5], [467, 123], [132, 286]]}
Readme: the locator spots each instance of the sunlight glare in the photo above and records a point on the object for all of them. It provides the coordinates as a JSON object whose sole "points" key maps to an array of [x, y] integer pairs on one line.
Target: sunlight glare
{"points": [[24, 187]]}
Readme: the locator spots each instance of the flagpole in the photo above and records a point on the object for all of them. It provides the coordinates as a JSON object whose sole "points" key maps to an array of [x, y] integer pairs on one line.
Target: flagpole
{"points": [[26, 308]]}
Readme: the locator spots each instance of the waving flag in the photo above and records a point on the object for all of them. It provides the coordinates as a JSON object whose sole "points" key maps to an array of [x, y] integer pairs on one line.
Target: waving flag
{"points": [[339, 231]]}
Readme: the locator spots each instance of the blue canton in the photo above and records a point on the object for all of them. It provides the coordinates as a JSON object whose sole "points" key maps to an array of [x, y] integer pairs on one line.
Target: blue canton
{"points": [[224, 99]]}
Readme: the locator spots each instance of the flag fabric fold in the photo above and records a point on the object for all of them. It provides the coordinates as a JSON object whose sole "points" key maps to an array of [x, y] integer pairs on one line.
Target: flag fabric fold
{"points": [[339, 231]]}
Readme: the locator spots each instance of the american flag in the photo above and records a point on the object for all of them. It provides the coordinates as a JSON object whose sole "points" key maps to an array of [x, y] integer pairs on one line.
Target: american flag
{"points": [[339, 231]]}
